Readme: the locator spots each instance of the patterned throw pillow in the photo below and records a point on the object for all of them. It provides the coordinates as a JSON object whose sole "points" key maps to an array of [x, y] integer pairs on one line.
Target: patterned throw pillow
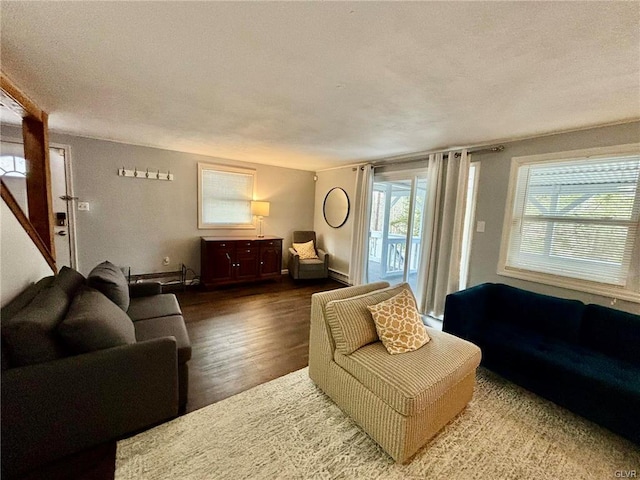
{"points": [[398, 323], [306, 250]]}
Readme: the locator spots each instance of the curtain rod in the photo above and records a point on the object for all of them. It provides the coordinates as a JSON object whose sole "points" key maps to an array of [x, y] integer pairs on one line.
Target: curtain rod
{"points": [[382, 163]]}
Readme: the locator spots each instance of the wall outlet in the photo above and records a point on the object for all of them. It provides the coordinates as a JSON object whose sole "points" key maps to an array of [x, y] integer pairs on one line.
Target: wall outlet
{"points": [[165, 261], [84, 206], [480, 226]]}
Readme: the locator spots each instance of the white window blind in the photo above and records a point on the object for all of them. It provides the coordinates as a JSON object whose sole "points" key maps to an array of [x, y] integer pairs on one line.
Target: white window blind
{"points": [[577, 219], [225, 197]]}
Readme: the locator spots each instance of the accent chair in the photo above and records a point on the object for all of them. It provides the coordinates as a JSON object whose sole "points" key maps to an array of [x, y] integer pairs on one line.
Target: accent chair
{"points": [[307, 268]]}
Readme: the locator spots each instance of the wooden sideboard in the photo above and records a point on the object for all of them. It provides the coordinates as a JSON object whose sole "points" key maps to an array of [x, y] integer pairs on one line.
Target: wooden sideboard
{"points": [[226, 260]]}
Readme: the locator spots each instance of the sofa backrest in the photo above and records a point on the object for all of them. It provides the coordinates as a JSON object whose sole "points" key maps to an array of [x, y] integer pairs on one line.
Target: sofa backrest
{"points": [[350, 322], [30, 320], [321, 344], [544, 314], [612, 332], [319, 302]]}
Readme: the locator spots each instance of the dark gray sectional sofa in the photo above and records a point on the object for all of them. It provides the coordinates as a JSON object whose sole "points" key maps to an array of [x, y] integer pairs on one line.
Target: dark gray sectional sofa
{"points": [[85, 361], [583, 357]]}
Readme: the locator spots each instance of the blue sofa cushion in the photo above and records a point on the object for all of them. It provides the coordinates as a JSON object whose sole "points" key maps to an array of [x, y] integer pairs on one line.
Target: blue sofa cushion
{"points": [[601, 388], [582, 361], [612, 332], [550, 316]]}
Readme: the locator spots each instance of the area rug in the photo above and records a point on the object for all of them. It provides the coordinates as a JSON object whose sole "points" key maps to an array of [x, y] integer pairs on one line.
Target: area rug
{"points": [[288, 429]]}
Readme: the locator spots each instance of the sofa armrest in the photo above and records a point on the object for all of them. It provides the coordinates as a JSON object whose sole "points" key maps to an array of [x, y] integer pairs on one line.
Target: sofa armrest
{"points": [[53, 409], [144, 289], [466, 310]]}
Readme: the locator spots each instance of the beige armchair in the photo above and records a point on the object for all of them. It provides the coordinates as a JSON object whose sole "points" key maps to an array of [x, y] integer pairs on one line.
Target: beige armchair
{"points": [[400, 400], [312, 268]]}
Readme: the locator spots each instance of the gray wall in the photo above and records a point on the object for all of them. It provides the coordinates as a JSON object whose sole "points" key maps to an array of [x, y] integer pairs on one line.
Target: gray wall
{"points": [[336, 241], [134, 222], [492, 197]]}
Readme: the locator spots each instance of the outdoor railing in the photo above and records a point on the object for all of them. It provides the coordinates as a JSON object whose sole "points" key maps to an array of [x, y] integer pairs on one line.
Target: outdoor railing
{"points": [[391, 252]]}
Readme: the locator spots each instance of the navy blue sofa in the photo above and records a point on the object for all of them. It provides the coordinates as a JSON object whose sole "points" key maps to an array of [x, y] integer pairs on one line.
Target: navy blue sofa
{"points": [[585, 358]]}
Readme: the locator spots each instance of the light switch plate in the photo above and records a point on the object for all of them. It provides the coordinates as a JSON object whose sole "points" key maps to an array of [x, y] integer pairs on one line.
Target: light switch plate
{"points": [[83, 206], [480, 226]]}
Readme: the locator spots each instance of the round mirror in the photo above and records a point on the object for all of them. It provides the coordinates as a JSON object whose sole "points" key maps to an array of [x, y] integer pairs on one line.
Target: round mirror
{"points": [[336, 207]]}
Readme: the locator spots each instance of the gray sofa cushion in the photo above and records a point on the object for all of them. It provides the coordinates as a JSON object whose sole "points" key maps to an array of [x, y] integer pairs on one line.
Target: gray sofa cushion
{"points": [[69, 280], [142, 308], [24, 298], [109, 279], [172, 326], [30, 335], [94, 323]]}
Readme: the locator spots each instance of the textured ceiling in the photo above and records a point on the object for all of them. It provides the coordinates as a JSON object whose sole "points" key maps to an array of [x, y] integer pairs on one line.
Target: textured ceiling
{"points": [[312, 85]]}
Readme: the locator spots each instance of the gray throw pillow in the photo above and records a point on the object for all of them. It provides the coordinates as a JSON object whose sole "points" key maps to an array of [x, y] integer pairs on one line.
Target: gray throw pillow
{"points": [[30, 335], [69, 280], [109, 279], [94, 322], [24, 298]]}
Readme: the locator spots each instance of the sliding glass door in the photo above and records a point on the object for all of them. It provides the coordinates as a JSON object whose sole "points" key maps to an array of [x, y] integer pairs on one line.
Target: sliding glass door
{"points": [[396, 227]]}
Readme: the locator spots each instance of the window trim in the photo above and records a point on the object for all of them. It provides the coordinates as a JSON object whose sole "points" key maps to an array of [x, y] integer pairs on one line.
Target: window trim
{"points": [[587, 286], [204, 166]]}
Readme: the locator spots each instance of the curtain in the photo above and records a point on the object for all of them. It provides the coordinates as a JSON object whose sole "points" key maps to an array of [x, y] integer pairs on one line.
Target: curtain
{"points": [[361, 216], [443, 228]]}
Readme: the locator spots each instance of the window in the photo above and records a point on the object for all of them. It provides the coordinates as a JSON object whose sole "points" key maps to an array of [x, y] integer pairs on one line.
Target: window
{"points": [[572, 220], [225, 195], [12, 166]]}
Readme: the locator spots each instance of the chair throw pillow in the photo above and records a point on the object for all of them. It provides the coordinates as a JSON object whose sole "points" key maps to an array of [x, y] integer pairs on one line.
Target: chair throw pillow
{"points": [[306, 251], [93, 322], [398, 323], [109, 279], [350, 321]]}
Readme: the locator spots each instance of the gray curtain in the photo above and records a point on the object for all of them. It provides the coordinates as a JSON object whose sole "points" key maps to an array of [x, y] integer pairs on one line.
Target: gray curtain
{"points": [[442, 238]]}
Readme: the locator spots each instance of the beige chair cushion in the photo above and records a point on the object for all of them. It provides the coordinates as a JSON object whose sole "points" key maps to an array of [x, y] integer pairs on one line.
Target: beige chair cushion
{"points": [[350, 321], [398, 323], [410, 382], [306, 251]]}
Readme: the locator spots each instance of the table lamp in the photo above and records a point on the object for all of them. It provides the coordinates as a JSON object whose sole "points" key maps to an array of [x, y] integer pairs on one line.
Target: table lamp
{"points": [[261, 210]]}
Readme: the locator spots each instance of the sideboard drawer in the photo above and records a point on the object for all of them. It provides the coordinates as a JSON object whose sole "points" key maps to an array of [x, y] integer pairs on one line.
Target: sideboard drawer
{"points": [[218, 245], [272, 243], [235, 260]]}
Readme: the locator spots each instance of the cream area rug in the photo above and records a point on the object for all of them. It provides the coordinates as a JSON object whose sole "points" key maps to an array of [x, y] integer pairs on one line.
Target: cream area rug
{"points": [[288, 429]]}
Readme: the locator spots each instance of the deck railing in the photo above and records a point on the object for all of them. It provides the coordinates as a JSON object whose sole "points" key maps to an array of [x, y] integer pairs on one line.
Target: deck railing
{"points": [[392, 252]]}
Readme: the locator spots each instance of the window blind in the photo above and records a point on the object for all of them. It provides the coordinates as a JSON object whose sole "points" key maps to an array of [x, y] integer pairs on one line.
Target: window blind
{"points": [[577, 219], [226, 197]]}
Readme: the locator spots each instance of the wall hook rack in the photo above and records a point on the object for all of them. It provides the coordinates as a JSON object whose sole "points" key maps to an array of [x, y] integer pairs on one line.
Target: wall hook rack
{"points": [[146, 174]]}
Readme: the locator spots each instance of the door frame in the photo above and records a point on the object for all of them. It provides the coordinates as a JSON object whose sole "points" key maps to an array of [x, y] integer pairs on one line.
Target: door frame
{"points": [[71, 204], [73, 248]]}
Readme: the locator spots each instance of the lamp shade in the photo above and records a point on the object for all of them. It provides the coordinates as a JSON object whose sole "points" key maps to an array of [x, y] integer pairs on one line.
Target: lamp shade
{"points": [[260, 209]]}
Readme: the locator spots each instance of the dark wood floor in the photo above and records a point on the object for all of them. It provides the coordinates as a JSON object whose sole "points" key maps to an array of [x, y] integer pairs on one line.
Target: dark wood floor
{"points": [[246, 336], [241, 336]]}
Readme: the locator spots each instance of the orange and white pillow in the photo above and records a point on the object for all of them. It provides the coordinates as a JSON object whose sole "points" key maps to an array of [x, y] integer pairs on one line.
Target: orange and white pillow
{"points": [[306, 251], [398, 323]]}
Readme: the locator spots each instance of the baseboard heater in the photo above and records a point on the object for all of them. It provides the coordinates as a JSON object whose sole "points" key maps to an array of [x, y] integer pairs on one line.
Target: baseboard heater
{"points": [[339, 276]]}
